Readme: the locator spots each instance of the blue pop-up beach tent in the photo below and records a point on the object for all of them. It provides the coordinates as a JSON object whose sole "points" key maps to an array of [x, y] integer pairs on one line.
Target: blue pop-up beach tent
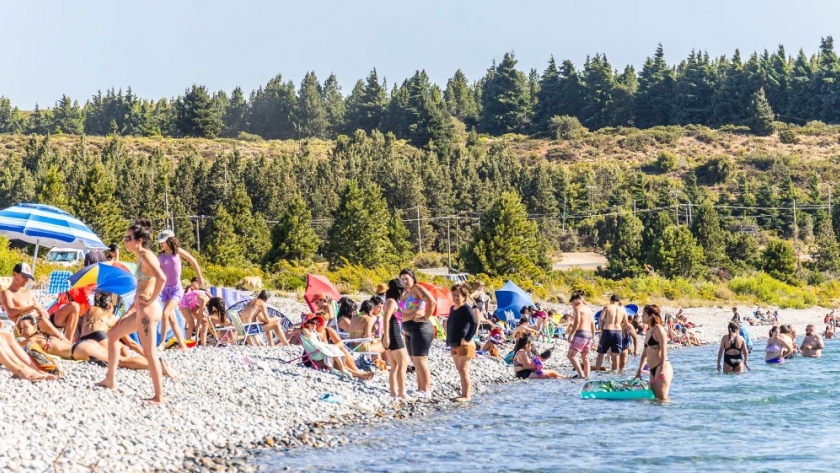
{"points": [[511, 297]]}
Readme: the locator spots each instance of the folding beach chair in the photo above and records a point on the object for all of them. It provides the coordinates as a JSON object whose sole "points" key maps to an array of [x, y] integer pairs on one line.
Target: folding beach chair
{"points": [[59, 282], [239, 333], [272, 312]]}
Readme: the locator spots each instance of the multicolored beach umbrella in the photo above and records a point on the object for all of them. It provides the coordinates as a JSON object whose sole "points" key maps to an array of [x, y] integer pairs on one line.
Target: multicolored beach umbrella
{"points": [[45, 225], [105, 277]]}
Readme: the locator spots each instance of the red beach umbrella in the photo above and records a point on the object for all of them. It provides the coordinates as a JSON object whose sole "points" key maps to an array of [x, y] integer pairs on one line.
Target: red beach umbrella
{"points": [[319, 285], [441, 295]]}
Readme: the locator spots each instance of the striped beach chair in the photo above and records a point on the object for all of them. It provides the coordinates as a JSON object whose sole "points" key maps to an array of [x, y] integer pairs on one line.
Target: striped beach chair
{"points": [[59, 282]]}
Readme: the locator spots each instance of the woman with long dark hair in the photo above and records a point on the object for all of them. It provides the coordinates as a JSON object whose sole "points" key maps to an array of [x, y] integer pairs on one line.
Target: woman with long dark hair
{"points": [[144, 314], [392, 339], [170, 262], [417, 306], [655, 353]]}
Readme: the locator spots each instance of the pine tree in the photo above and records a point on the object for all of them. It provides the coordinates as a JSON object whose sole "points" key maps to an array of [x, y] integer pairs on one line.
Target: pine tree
{"points": [[67, 117], [505, 106], [292, 237], [196, 115], [334, 105], [678, 254], [779, 260], [570, 91], [548, 97], [506, 242], [366, 105], [359, 233], [235, 119], [53, 190], [694, 90], [743, 251], [311, 112], [598, 82], [460, 99], [826, 256], [96, 205], [223, 246], [826, 84], [11, 120], [761, 119], [16, 183], [707, 231], [624, 255], [655, 226], [272, 110], [654, 100], [802, 102], [400, 239]]}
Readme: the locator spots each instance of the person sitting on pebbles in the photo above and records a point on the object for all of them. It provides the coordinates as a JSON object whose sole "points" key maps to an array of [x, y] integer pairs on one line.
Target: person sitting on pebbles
{"points": [[523, 327], [84, 350], [16, 360], [314, 328], [99, 319]]}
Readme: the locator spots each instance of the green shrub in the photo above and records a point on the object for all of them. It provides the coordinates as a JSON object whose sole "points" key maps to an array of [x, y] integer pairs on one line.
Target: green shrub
{"points": [[249, 137], [763, 288], [566, 127], [788, 137], [667, 161], [430, 260], [637, 142]]}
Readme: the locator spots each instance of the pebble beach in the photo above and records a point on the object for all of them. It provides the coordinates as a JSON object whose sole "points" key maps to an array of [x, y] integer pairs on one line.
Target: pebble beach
{"points": [[229, 401]]}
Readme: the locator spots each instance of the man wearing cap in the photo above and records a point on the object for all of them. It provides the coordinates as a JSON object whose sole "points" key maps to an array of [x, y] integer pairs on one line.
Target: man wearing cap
{"points": [[17, 300]]}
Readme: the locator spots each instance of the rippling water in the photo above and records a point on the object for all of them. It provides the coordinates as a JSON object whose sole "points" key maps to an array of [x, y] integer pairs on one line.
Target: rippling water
{"points": [[775, 418]]}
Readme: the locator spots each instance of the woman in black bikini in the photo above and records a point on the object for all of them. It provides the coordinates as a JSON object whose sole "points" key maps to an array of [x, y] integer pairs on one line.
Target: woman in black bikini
{"points": [[99, 319], [733, 350], [522, 365], [655, 353], [83, 350]]}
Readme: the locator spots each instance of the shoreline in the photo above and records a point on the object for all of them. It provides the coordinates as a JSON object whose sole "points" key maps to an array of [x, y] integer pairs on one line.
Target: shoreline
{"points": [[221, 411]]}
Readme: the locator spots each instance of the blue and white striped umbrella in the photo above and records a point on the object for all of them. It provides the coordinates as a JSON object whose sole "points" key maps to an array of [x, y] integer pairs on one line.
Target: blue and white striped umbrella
{"points": [[49, 226], [45, 225]]}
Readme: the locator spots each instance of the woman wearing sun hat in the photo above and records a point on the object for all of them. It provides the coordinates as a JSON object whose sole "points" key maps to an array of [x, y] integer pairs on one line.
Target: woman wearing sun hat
{"points": [[314, 328]]}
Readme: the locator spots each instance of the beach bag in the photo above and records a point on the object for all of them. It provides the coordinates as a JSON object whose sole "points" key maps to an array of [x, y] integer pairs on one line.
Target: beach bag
{"points": [[43, 360]]}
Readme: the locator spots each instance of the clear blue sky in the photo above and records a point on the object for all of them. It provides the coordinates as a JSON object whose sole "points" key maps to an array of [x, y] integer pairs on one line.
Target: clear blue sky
{"points": [[161, 47]]}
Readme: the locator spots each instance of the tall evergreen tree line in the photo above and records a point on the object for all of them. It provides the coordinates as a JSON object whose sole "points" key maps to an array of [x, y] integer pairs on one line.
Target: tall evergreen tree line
{"points": [[700, 89]]}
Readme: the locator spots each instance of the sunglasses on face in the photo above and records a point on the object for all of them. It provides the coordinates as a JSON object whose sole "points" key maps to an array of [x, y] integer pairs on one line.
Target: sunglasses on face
{"points": [[128, 238]]}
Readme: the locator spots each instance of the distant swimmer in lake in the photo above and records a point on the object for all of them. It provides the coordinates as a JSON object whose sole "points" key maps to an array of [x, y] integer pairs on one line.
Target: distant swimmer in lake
{"points": [[655, 353], [812, 345], [733, 350], [829, 332], [778, 346]]}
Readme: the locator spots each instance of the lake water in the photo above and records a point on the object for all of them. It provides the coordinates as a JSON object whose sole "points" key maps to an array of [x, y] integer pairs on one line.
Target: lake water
{"points": [[775, 418]]}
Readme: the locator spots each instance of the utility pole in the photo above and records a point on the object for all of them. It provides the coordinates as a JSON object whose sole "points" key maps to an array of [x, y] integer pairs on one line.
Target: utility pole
{"points": [[564, 213], [634, 207], [419, 232], [829, 200], [457, 232], [448, 247], [795, 232], [170, 221], [591, 189], [690, 219], [197, 235]]}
